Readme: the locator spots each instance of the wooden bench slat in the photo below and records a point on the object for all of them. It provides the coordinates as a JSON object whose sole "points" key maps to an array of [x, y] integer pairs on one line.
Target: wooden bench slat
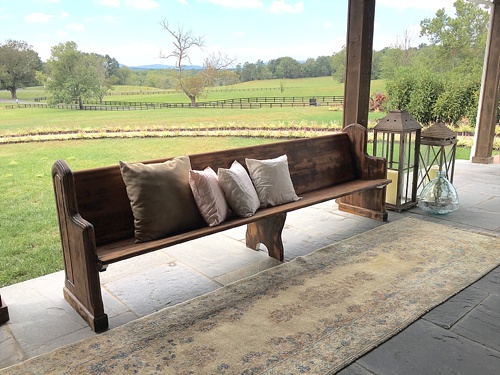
{"points": [[125, 249]]}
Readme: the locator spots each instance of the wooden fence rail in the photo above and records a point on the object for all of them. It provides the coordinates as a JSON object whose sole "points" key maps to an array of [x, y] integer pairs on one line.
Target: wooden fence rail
{"points": [[239, 103]]}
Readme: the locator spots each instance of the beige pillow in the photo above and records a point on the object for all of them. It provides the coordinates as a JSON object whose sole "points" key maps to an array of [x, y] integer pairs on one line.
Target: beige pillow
{"points": [[209, 196], [239, 190], [160, 197], [272, 181]]}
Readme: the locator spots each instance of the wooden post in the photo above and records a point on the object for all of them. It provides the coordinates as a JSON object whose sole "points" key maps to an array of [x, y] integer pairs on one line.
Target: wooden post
{"points": [[4, 311], [488, 101], [359, 51]]}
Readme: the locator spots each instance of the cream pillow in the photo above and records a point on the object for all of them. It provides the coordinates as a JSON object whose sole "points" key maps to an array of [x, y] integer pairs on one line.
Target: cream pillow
{"points": [[209, 196], [160, 198], [239, 190], [272, 181]]}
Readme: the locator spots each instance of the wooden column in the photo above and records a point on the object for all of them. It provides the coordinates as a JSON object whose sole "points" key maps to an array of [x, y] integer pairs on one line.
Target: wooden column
{"points": [[488, 99], [4, 311], [359, 51]]}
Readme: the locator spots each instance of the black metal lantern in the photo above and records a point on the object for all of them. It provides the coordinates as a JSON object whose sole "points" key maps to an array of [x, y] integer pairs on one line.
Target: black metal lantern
{"points": [[397, 139], [438, 146]]}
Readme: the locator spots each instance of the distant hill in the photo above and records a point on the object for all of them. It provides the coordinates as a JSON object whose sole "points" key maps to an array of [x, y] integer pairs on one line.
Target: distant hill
{"points": [[161, 66]]}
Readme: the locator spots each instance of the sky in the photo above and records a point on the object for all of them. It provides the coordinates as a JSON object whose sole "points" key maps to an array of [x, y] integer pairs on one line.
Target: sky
{"points": [[246, 30]]}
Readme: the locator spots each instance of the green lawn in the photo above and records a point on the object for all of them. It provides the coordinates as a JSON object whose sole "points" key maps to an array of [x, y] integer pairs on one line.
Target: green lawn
{"points": [[29, 235]]}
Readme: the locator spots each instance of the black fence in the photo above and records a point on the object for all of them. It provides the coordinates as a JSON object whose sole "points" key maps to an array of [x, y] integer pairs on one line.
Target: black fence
{"points": [[238, 103]]}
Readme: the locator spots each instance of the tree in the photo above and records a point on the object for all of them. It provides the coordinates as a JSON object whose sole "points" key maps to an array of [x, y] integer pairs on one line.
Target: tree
{"points": [[18, 66], [460, 40], [74, 75], [338, 65], [104, 77], [323, 66], [184, 41], [262, 71], [285, 67]]}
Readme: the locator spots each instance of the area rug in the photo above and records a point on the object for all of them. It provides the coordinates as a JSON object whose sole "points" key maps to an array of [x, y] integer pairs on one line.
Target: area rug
{"points": [[313, 315]]}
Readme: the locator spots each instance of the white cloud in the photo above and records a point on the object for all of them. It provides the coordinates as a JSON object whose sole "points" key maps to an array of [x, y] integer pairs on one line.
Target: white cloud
{"points": [[239, 34], [104, 18], [328, 25], [245, 4], [110, 3], [421, 4], [143, 4], [63, 14], [61, 34], [143, 53], [184, 2], [281, 6], [38, 17], [75, 27], [110, 19]]}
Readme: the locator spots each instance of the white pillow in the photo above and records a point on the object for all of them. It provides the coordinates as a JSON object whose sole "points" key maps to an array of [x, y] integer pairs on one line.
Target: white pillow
{"points": [[239, 190], [272, 181], [209, 196]]}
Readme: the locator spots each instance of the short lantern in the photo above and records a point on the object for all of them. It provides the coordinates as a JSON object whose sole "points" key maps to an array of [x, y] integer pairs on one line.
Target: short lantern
{"points": [[438, 146], [396, 138]]}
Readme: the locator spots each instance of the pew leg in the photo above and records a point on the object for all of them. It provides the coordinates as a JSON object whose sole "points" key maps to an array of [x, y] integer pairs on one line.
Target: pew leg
{"points": [[83, 292], [370, 204], [4, 311], [267, 232]]}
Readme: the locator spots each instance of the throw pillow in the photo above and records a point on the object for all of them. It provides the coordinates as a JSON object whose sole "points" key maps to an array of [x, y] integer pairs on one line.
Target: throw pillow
{"points": [[239, 190], [272, 181], [160, 198], [209, 196]]}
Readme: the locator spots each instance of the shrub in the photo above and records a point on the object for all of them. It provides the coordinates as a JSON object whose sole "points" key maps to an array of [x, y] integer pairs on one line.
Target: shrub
{"points": [[458, 101]]}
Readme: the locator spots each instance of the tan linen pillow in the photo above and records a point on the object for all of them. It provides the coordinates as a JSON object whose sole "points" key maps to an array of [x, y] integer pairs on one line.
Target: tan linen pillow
{"points": [[209, 196], [272, 181], [160, 197], [239, 190]]}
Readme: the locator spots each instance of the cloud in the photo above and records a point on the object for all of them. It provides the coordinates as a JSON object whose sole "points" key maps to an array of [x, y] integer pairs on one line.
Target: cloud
{"points": [[281, 6], [143, 4], [328, 25], [183, 2], [421, 4], [144, 53], [63, 14], [110, 3], [38, 17], [242, 4], [61, 34], [75, 27]]}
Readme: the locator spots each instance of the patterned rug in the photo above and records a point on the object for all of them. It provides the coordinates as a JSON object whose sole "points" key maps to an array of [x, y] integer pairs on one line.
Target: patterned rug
{"points": [[313, 315]]}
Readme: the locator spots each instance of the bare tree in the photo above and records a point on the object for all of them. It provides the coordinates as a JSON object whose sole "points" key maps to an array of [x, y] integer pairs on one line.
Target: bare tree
{"points": [[184, 41]]}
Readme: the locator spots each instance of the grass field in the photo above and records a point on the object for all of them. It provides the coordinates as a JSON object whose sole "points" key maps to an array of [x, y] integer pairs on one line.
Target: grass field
{"points": [[29, 236]]}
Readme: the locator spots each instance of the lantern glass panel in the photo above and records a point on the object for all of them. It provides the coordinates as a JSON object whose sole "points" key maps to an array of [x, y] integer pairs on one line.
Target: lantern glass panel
{"points": [[400, 152], [437, 153]]}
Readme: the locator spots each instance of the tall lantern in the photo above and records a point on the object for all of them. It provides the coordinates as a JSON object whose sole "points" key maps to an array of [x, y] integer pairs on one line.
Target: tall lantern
{"points": [[397, 139], [438, 146]]}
